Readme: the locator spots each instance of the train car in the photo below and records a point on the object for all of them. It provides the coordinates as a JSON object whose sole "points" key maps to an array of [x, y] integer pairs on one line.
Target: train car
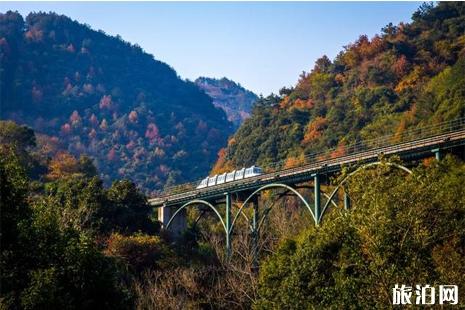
{"points": [[212, 180], [221, 178], [203, 183], [252, 172], [239, 174], [230, 176]]}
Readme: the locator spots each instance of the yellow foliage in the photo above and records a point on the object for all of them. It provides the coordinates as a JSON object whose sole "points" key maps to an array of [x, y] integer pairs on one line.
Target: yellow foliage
{"points": [[63, 165], [411, 80]]}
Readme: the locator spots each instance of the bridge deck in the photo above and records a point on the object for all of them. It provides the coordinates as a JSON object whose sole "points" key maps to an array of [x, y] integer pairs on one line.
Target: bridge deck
{"points": [[420, 147]]}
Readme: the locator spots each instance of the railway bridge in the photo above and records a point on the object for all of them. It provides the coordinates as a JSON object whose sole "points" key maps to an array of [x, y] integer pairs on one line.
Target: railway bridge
{"points": [[411, 146]]}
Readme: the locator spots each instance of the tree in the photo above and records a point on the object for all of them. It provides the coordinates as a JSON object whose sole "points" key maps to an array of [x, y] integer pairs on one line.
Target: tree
{"points": [[402, 229], [127, 210]]}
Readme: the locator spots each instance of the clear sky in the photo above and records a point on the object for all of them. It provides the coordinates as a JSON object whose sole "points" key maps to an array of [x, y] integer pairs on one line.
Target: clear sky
{"points": [[262, 45]]}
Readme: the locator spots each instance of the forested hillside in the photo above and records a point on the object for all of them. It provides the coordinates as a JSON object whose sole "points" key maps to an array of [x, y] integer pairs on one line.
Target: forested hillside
{"points": [[410, 74], [234, 99], [89, 93]]}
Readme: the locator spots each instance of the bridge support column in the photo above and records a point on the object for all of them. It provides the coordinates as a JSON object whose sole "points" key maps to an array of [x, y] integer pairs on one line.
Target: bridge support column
{"points": [[437, 153], [255, 235], [228, 224], [346, 201], [179, 223], [317, 206]]}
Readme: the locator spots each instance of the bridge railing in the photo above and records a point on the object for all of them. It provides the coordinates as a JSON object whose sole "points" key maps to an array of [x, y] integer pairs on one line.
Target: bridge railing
{"points": [[409, 135]]}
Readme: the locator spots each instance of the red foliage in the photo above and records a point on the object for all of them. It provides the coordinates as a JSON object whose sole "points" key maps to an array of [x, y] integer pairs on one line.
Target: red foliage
{"points": [[111, 155], [401, 66], [66, 129], [130, 145], [105, 102], [75, 118], [93, 120], [152, 132]]}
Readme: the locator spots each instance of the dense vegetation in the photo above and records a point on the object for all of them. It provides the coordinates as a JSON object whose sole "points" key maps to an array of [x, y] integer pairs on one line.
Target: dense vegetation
{"points": [[68, 241], [404, 229], [71, 243], [89, 93], [234, 99], [410, 74]]}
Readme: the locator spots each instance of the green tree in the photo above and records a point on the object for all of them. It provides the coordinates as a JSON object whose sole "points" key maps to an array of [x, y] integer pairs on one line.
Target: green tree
{"points": [[402, 229]]}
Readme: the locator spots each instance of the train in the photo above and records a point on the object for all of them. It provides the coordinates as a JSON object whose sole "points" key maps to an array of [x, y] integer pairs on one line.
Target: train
{"points": [[230, 176]]}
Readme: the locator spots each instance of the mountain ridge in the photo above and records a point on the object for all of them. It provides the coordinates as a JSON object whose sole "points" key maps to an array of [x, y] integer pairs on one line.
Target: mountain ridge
{"points": [[232, 97], [99, 95], [409, 75]]}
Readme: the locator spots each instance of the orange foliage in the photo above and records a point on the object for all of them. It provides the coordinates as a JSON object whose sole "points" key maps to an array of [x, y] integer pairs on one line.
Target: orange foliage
{"points": [[231, 141], [63, 165], [34, 34], [303, 104], [339, 151], [133, 116], [292, 161], [104, 124], [314, 130], [221, 165]]}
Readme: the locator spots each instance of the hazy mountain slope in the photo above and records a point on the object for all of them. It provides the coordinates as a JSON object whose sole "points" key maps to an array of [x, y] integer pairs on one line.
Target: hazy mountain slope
{"points": [[96, 94], [234, 99], [409, 74]]}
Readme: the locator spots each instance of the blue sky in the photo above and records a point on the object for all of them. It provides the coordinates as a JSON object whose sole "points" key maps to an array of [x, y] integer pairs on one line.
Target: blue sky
{"points": [[262, 45]]}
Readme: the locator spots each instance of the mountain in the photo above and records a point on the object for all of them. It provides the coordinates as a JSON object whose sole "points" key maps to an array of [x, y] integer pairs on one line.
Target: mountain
{"points": [[90, 93], [234, 99], [409, 75]]}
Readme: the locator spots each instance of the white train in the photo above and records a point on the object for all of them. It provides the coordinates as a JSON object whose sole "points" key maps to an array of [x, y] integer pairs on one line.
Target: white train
{"points": [[230, 176]]}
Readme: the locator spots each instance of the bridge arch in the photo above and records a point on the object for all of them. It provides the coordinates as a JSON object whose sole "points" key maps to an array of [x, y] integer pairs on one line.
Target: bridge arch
{"points": [[268, 209], [201, 202], [346, 178], [269, 186]]}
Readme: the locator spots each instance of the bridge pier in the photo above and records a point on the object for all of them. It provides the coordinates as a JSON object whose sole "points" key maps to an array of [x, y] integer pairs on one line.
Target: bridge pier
{"points": [[179, 223], [437, 153], [346, 201], [228, 224], [317, 205], [255, 234]]}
